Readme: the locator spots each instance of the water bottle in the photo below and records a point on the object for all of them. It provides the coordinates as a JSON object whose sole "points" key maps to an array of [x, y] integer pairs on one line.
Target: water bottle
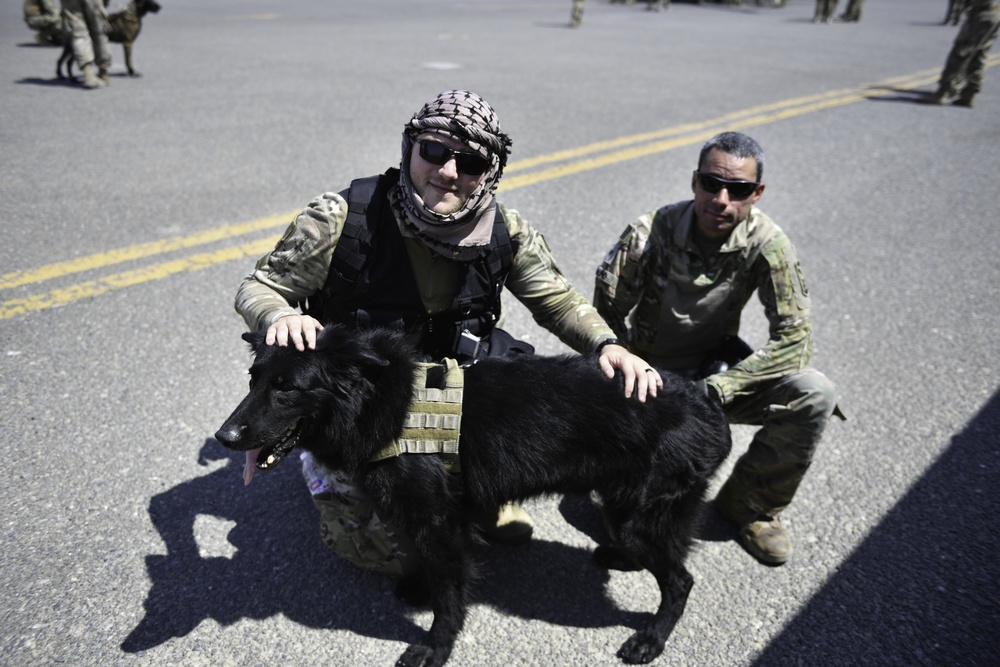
{"points": [[313, 473]]}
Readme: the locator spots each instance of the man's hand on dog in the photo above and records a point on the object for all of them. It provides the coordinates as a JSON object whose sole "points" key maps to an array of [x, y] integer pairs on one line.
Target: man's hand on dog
{"points": [[639, 375], [301, 330]]}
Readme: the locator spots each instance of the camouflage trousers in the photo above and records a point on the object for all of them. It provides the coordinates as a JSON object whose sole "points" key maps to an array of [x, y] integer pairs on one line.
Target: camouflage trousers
{"points": [[48, 27], [824, 11], [793, 412], [86, 24], [349, 527], [963, 70], [853, 10], [955, 9]]}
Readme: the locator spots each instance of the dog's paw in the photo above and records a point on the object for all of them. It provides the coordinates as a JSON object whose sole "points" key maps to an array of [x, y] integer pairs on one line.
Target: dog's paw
{"points": [[420, 655], [613, 558], [640, 648]]}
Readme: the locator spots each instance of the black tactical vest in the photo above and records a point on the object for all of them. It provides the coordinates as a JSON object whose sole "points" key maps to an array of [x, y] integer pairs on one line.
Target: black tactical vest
{"points": [[371, 280]]}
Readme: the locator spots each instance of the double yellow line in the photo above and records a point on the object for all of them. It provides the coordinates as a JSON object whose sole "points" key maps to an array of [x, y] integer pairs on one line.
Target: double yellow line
{"points": [[537, 170]]}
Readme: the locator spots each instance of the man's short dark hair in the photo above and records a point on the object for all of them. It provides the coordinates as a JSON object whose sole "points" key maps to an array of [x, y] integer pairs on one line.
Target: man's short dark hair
{"points": [[738, 145]]}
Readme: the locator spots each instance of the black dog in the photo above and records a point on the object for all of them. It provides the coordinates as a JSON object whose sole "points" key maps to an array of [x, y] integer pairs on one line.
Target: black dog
{"points": [[125, 27], [530, 426]]}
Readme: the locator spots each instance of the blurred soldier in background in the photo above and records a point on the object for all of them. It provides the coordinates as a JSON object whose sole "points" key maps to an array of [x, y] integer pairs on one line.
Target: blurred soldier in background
{"points": [[86, 25], [955, 9], [43, 17], [852, 14], [824, 11], [962, 75]]}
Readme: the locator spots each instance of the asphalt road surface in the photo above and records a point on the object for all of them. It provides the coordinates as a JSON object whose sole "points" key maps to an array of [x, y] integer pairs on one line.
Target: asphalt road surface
{"points": [[130, 214]]}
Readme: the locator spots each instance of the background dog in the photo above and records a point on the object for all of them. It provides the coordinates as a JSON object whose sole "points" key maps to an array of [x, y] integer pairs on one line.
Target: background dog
{"points": [[124, 29], [530, 426]]}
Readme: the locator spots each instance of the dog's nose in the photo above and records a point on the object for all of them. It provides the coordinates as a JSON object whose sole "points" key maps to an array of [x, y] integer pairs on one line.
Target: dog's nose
{"points": [[229, 435]]}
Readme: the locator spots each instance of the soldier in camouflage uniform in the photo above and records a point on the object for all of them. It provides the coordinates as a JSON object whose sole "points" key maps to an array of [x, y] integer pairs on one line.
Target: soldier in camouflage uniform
{"points": [[675, 285], [852, 14], [824, 11], [43, 17], [962, 76], [955, 9], [439, 211], [576, 16], [86, 24]]}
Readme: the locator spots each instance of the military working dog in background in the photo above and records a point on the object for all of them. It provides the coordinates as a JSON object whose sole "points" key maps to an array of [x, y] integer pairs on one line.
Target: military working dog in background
{"points": [[124, 29], [530, 426]]}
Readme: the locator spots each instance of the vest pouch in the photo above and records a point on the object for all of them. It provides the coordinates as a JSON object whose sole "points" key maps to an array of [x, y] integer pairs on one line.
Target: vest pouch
{"points": [[502, 344]]}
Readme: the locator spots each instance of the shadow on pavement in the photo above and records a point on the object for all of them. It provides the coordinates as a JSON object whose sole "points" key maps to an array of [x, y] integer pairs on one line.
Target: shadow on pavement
{"points": [[280, 566], [924, 587]]}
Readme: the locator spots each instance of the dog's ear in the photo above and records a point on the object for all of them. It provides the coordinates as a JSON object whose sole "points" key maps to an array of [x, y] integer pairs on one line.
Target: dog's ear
{"points": [[372, 359], [255, 338]]}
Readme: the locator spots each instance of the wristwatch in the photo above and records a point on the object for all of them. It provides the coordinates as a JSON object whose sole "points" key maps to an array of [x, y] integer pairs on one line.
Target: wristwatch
{"points": [[609, 341]]}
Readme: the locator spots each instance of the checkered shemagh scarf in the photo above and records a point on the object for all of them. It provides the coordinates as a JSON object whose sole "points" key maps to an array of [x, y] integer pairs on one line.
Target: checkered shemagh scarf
{"points": [[468, 118]]}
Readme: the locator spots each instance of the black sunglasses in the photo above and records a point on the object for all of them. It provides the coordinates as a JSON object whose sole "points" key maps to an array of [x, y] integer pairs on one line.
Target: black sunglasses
{"points": [[437, 153], [736, 189]]}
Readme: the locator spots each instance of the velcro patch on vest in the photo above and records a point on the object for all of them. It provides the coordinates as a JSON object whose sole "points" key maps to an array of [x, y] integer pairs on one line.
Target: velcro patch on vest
{"points": [[434, 421]]}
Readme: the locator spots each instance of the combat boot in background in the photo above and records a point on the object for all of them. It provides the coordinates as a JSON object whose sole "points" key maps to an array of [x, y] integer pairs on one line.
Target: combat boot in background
{"points": [[964, 100], [90, 78], [939, 96], [102, 74]]}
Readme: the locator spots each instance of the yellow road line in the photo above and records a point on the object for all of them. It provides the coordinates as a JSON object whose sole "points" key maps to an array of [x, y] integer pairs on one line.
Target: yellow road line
{"points": [[642, 145], [736, 121], [92, 288], [140, 251], [107, 258]]}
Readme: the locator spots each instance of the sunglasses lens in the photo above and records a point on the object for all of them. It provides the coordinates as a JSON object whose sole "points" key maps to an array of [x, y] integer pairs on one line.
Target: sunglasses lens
{"points": [[467, 163], [741, 190], [736, 189], [434, 152], [709, 183], [473, 165]]}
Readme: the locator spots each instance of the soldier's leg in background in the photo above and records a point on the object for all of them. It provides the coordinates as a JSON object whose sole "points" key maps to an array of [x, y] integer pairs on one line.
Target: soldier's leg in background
{"points": [[976, 64], [97, 25], [76, 31], [793, 412], [576, 15], [955, 69]]}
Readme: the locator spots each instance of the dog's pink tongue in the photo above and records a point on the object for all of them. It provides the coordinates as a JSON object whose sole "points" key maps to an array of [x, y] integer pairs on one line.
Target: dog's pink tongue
{"points": [[250, 467]]}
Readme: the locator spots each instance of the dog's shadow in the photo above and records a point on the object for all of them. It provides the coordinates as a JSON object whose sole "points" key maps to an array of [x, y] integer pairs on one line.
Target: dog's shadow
{"points": [[280, 566], [53, 83], [552, 581]]}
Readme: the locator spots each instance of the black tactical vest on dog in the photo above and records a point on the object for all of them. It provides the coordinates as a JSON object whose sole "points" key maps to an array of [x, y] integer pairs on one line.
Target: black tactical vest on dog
{"points": [[371, 279]]}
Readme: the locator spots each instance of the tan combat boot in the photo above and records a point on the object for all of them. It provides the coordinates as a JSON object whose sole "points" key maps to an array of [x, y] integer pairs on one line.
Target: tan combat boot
{"points": [[90, 80], [763, 537], [513, 526], [767, 540], [102, 74]]}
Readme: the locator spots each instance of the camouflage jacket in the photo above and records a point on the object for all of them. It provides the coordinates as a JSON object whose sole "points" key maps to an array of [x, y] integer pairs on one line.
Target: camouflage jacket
{"points": [[679, 305], [299, 264]]}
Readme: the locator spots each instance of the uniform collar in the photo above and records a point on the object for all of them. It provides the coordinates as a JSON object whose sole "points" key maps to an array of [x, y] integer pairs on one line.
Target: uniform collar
{"points": [[738, 238]]}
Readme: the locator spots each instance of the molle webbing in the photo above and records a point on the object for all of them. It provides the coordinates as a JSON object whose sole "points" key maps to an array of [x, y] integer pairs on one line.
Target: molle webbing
{"points": [[434, 420]]}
